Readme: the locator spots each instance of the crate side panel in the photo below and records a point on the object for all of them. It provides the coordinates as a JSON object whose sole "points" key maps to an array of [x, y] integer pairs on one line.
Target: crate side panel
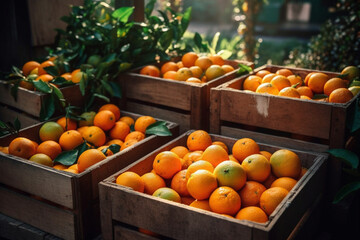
{"points": [[54, 220], [9, 115]]}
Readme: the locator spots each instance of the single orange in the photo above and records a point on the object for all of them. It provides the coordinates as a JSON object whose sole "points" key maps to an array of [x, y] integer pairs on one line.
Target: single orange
{"points": [[196, 71], [340, 95], [193, 80], [252, 83], [203, 62], [22, 147], [29, 66], [95, 136], [215, 154], [105, 120], [222, 144], [132, 180], [150, 70], [284, 182], [200, 164], [170, 75], [289, 92], [50, 148], [181, 151], [112, 108], [227, 68], [225, 200], [231, 174], [128, 120], [217, 59], [214, 71], [262, 73], [143, 122], [201, 184], [166, 164], [284, 72], [67, 123], [198, 140], [190, 158], [45, 78], [70, 140], [188, 59], [201, 204], [119, 131], [285, 163], [254, 214], [88, 158], [128, 144], [244, 147], [136, 135], [152, 182], [317, 82], [178, 183], [169, 66], [271, 198], [168, 194], [257, 167], [268, 77], [267, 88], [280, 82], [295, 80], [306, 91], [183, 74], [250, 193]]}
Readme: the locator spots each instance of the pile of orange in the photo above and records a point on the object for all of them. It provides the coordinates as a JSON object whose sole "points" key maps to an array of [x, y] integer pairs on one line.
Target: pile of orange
{"points": [[99, 129], [193, 68], [248, 184], [285, 83], [37, 70]]}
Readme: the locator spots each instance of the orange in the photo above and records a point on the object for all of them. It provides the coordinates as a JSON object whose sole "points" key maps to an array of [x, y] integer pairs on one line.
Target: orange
{"points": [[254, 214], [95, 136], [42, 159], [76, 76], [266, 154], [128, 143], [44, 64], [115, 141], [201, 184], [350, 72], [150, 70], [81, 130], [332, 84], [166, 164], [200, 164], [169, 66], [143, 122], [252, 83], [67, 123], [196, 71], [129, 120], [203, 62], [104, 119], [222, 144], [271, 198], [230, 174], [187, 200], [181, 151], [170, 75], [232, 158], [60, 167], [50, 131], [183, 74], [284, 72], [44, 78], [225, 200], [180, 64], [257, 167], [250, 193], [340, 95], [190, 158], [267, 183], [132, 180], [74, 166], [136, 135], [70, 140], [178, 183], [227, 68], [202, 204], [306, 80], [295, 80], [26, 85], [267, 88], [168, 194], [244, 147], [284, 182], [152, 182], [119, 131], [289, 92], [198, 140], [285, 163], [29, 66], [108, 152], [50, 148], [112, 108], [268, 77], [262, 73], [88, 158], [22, 147], [217, 59], [67, 76], [306, 91], [317, 81], [193, 80], [214, 71], [215, 154], [304, 97], [280, 82], [188, 59]]}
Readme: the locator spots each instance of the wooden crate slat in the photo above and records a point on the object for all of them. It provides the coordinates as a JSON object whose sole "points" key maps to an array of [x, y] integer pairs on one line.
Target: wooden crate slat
{"points": [[123, 233], [9, 115], [40, 215]]}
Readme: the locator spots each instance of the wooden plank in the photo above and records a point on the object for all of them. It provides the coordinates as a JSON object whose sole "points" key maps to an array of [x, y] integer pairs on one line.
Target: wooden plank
{"points": [[51, 219], [215, 95], [125, 233], [273, 139], [181, 118], [105, 213], [9, 115], [138, 209], [45, 17], [278, 113], [46, 182]]}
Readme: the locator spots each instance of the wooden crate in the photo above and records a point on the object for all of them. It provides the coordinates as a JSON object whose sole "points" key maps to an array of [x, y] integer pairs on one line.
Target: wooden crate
{"points": [[8, 114], [315, 121], [123, 210], [30, 101], [61, 203], [180, 102]]}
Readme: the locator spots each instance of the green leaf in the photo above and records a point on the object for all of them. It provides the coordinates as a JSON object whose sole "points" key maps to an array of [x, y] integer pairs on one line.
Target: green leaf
{"points": [[345, 191], [67, 158], [198, 40], [47, 108], [52, 70], [243, 69], [116, 89], [59, 95], [17, 124], [103, 97], [132, 128], [114, 148], [166, 39], [355, 83], [185, 20], [82, 148], [42, 86], [123, 14], [149, 8], [353, 121], [215, 40], [348, 157], [14, 90], [158, 128], [225, 54], [107, 87], [60, 81], [82, 86]]}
